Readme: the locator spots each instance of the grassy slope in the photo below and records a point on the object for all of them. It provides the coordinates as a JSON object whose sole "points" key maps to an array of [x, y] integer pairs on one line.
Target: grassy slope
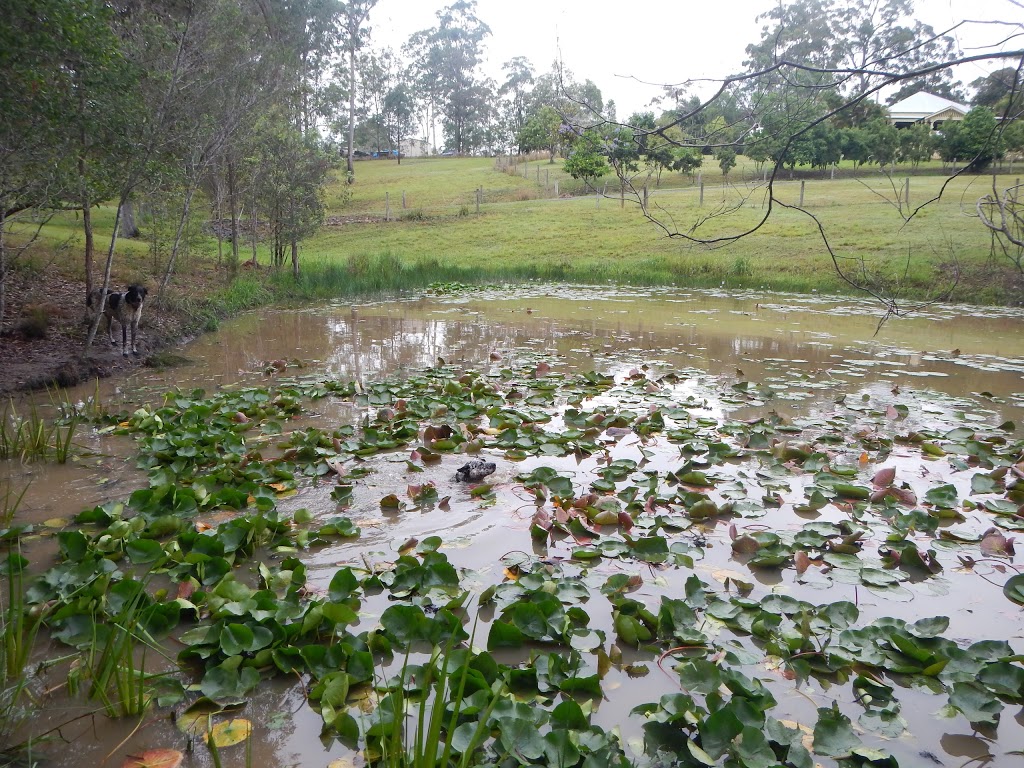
{"points": [[522, 232], [574, 239]]}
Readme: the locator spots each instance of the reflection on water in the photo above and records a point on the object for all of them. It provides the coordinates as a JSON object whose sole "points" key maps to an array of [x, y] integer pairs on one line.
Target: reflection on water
{"points": [[802, 352], [762, 338]]}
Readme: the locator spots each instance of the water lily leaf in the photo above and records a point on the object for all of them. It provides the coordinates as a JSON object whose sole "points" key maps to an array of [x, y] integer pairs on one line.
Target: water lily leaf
{"points": [[945, 496], [1014, 588], [975, 703], [155, 758], [229, 733], [521, 737], [833, 733]]}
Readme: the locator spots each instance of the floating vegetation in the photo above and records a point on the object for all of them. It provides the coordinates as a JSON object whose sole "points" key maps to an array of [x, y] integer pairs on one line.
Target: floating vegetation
{"points": [[757, 569]]}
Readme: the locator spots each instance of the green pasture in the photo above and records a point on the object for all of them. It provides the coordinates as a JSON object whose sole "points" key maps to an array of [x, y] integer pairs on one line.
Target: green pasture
{"points": [[523, 232], [586, 239]]}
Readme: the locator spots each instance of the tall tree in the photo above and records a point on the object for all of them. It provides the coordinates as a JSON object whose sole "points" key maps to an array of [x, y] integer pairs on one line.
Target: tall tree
{"points": [[518, 79], [354, 15], [451, 53]]}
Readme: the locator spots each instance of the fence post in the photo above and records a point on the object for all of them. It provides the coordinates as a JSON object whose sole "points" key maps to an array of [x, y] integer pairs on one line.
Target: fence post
{"points": [[387, 206], [538, 174], [478, 195], [547, 178], [556, 187], [700, 179], [701, 202], [906, 190], [802, 183], [604, 192], [403, 199]]}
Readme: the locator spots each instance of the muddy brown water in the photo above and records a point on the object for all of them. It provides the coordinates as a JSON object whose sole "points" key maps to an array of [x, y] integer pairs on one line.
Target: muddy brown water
{"points": [[947, 365]]}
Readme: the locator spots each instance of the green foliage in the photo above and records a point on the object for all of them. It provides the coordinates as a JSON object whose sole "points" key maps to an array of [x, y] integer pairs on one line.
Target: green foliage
{"points": [[586, 161], [974, 140]]}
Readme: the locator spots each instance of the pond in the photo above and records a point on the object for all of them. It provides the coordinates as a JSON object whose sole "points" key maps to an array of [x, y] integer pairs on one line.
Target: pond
{"points": [[719, 524]]}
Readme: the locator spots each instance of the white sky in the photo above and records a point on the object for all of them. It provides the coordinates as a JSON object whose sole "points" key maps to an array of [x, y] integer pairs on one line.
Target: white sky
{"points": [[620, 45]]}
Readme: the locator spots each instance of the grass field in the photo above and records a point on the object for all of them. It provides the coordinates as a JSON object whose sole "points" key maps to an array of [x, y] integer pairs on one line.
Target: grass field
{"points": [[524, 232]]}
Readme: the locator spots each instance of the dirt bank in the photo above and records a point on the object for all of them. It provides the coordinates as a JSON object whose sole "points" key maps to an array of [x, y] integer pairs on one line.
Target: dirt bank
{"points": [[43, 331]]}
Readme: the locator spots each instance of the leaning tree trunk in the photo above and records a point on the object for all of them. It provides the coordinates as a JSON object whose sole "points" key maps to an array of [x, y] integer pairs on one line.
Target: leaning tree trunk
{"points": [[95, 324], [185, 210]]}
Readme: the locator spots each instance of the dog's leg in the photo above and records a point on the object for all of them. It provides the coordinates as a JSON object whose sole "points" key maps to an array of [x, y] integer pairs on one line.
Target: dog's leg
{"points": [[135, 329], [110, 329]]}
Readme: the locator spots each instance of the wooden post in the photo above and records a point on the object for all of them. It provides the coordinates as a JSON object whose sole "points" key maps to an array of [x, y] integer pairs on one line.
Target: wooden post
{"points": [[547, 178], [387, 206], [479, 191], [556, 187], [700, 179], [701, 202], [802, 183], [403, 199], [906, 191], [604, 191], [538, 174]]}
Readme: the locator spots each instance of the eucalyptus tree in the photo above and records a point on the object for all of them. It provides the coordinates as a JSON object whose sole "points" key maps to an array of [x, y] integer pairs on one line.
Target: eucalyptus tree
{"points": [[399, 111], [354, 15], [516, 88], [448, 57]]}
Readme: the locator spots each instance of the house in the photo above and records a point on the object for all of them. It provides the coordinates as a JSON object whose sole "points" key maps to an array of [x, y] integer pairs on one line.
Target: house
{"points": [[415, 148], [926, 108]]}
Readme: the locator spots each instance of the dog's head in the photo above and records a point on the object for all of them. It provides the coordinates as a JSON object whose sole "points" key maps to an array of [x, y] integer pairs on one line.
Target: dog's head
{"points": [[135, 295]]}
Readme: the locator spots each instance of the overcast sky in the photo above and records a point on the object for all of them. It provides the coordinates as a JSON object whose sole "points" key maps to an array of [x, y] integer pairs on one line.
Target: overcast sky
{"points": [[622, 45]]}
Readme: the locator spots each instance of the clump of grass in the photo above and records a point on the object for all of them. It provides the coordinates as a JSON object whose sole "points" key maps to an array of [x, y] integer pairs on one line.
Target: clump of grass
{"points": [[36, 323], [413, 215], [436, 712], [18, 630]]}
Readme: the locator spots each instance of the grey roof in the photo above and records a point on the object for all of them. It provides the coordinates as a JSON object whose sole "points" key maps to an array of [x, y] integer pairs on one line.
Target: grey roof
{"points": [[924, 104]]}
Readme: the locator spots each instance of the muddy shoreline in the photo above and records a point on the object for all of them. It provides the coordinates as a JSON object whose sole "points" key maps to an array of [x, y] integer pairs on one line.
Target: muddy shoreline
{"points": [[42, 341]]}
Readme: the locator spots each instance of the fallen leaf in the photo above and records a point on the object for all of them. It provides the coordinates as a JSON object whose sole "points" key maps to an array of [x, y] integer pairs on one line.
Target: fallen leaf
{"points": [[154, 758], [229, 733]]}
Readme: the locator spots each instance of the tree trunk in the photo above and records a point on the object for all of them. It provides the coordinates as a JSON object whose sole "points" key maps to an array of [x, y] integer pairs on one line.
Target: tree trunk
{"points": [[295, 258], [87, 228], [3, 267], [351, 108], [255, 225], [128, 228], [233, 201], [86, 204], [94, 326]]}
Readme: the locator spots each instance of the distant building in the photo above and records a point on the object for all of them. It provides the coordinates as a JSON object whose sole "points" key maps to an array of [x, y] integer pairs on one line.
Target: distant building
{"points": [[926, 108], [415, 148]]}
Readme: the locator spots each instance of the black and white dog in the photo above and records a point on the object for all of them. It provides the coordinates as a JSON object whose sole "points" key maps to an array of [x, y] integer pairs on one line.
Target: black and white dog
{"points": [[123, 306]]}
